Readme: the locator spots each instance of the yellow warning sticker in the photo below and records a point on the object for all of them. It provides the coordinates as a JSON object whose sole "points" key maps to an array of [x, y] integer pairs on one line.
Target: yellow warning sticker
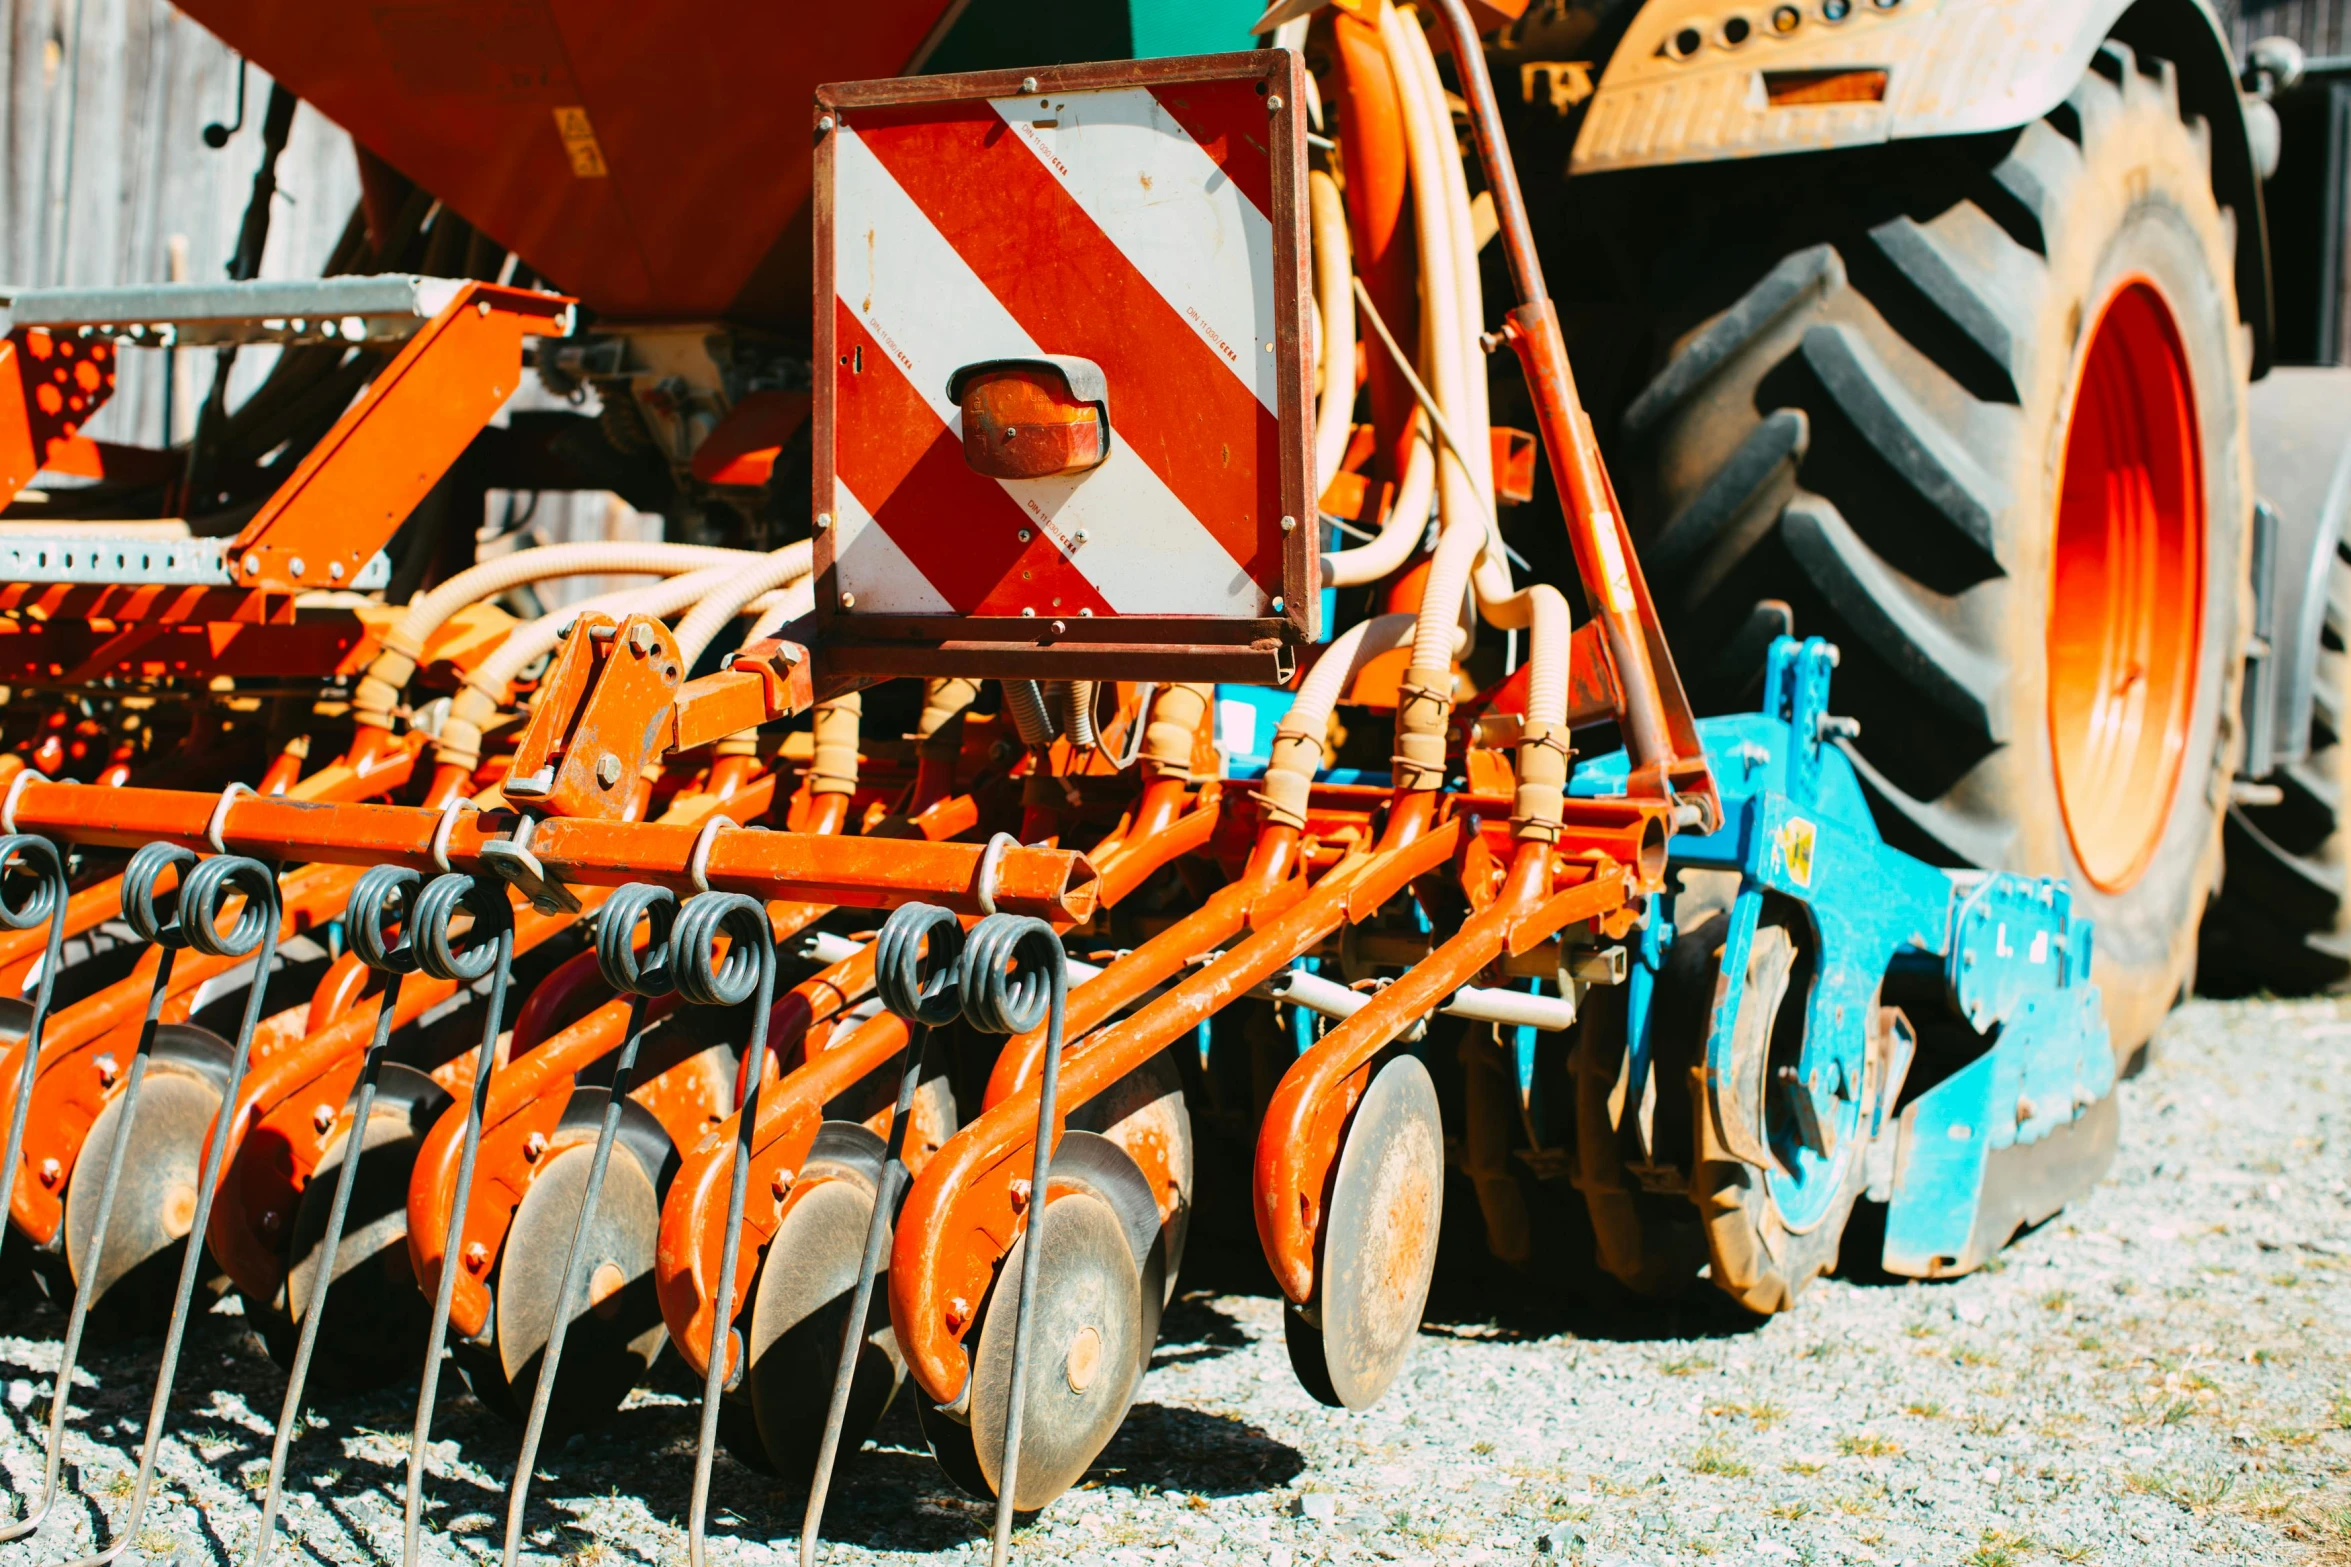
{"points": [[1796, 839], [579, 143], [1616, 581]]}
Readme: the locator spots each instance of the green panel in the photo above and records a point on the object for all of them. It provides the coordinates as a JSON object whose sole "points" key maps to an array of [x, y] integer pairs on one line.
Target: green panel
{"points": [[1165, 27], [1003, 34]]}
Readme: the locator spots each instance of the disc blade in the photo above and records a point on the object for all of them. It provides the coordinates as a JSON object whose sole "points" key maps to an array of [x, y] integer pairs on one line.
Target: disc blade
{"points": [[138, 1267], [616, 1331], [1084, 1351], [797, 1314], [1380, 1232]]}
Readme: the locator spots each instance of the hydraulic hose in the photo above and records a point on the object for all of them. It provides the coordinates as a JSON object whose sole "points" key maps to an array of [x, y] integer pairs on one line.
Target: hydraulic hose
{"points": [[1334, 421], [1400, 530], [1297, 739], [709, 617]]}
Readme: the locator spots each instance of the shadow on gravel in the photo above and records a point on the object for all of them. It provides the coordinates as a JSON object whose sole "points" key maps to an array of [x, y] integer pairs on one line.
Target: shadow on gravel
{"points": [[1193, 1330]]}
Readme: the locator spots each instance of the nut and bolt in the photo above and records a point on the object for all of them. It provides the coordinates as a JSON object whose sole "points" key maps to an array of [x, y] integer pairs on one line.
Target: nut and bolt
{"points": [[1025, 535], [1060, 626], [108, 1071], [608, 770], [295, 566], [1289, 525], [477, 1257], [824, 520], [824, 122], [1280, 604], [640, 638], [252, 564], [1020, 1196], [1028, 84], [51, 1172], [534, 1145], [334, 571], [848, 601], [322, 1117]]}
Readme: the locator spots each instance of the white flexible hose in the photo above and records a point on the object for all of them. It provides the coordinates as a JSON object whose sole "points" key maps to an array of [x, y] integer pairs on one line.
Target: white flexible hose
{"points": [[1400, 530], [1334, 423], [709, 617], [1297, 739], [779, 608]]}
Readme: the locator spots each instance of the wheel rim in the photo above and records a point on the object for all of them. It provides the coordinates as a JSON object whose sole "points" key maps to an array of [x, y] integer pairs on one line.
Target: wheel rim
{"points": [[2127, 588]]}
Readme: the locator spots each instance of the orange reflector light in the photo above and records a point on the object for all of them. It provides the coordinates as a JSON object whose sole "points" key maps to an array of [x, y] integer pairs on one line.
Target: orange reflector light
{"points": [[1792, 89]]}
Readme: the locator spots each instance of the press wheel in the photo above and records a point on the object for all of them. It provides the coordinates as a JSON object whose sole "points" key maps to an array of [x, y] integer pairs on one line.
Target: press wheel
{"points": [[1379, 1239]]}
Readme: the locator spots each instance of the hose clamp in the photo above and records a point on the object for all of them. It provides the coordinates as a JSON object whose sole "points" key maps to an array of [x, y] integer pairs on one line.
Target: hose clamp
{"points": [[220, 816], [991, 860], [16, 791]]}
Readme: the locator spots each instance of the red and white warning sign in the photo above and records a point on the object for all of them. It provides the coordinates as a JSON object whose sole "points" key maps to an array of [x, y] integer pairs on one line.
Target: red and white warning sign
{"points": [[1063, 365]]}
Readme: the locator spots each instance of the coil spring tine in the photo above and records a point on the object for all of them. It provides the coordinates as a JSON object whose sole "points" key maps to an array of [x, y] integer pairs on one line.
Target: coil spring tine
{"points": [[255, 931], [748, 971], [638, 979], [385, 896], [1015, 975], [436, 907], [46, 903], [917, 970]]}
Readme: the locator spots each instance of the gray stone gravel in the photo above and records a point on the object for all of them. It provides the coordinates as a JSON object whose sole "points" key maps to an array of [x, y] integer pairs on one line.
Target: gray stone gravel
{"points": [[2158, 1375]]}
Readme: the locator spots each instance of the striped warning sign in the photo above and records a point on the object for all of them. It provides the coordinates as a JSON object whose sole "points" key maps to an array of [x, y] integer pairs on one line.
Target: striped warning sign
{"points": [[1146, 233]]}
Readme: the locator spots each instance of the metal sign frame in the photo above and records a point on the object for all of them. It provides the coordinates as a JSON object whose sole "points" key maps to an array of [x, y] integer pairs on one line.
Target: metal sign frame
{"points": [[1125, 646]]}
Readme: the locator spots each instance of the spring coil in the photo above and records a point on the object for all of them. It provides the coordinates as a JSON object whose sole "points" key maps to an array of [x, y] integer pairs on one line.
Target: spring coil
{"points": [[1032, 715], [701, 976], [917, 966], [385, 897], [435, 912], [1077, 714], [625, 968], [47, 897], [204, 892], [1012, 967], [139, 881]]}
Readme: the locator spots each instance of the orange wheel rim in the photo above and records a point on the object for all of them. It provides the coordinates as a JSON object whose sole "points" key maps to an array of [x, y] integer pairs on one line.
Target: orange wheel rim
{"points": [[2127, 590]]}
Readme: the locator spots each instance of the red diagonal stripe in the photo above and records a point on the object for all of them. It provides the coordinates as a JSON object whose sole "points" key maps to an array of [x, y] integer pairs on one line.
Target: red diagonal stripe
{"points": [[1188, 416], [1228, 120], [958, 527]]}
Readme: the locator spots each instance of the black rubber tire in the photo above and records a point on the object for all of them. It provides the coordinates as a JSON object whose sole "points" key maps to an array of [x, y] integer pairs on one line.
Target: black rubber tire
{"points": [[1858, 426], [2281, 921]]}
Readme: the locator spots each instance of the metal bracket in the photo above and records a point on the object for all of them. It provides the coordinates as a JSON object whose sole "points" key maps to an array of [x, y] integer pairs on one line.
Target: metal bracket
{"points": [[511, 860]]}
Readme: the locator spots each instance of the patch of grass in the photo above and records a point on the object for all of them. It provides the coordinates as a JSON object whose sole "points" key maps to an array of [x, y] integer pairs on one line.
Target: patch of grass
{"points": [[1998, 1548], [1924, 1409], [2192, 1493], [2056, 1300], [1196, 1502], [157, 1544], [2089, 1343], [1792, 1511], [1974, 1357], [592, 1552], [1868, 1444], [1919, 1329], [121, 1483], [1799, 1466], [2339, 1414], [1761, 1416], [1686, 1366], [1981, 1424], [1482, 1449], [1716, 1458], [2066, 1551]]}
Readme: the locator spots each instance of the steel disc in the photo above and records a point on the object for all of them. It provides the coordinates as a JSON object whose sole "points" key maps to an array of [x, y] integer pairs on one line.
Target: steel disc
{"points": [[376, 1317], [617, 1333], [154, 1207], [1145, 1115], [1085, 1357], [797, 1315], [1379, 1240], [951, 1445]]}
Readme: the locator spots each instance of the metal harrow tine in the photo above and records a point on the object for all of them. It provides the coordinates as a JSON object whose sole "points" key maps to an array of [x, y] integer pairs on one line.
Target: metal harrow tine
{"points": [[436, 908], [1015, 975], [747, 972], [47, 902], [917, 970], [638, 978], [203, 891], [385, 896]]}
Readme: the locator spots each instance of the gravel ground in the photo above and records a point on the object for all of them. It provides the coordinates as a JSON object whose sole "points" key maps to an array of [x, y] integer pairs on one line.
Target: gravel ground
{"points": [[2158, 1375]]}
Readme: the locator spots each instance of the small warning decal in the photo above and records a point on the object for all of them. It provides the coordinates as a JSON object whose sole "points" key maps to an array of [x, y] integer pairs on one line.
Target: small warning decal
{"points": [[579, 143], [1796, 839]]}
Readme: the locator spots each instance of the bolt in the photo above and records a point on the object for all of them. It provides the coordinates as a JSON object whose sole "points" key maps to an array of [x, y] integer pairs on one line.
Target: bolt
{"points": [[1279, 604], [252, 564], [1078, 537], [1024, 535], [51, 1172], [477, 1257], [272, 1221], [848, 601], [295, 566], [108, 1070], [534, 1145], [824, 520], [482, 308], [1060, 626], [322, 1117], [780, 1184], [640, 638], [608, 769], [1028, 84], [1273, 103], [1020, 1196], [824, 122], [1028, 613], [1289, 525], [335, 570]]}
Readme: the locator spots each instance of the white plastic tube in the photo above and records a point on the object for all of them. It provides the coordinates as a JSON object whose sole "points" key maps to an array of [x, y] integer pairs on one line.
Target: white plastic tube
{"points": [[710, 616], [378, 692], [1334, 296], [1297, 739], [1400, 530]]}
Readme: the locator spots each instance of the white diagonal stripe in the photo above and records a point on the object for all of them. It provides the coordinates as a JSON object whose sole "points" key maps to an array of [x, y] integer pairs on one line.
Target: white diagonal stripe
{"points": [[1179, 221], [1143, 550], [873, 567]]}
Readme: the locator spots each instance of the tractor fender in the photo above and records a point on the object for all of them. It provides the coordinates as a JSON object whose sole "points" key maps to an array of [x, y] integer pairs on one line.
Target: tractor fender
{"points": [[1702, 81], [2301, 430]]}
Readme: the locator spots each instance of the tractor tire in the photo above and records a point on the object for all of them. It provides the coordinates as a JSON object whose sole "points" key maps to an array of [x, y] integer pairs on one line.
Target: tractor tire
{"points": [[2282, 919], [1974, 410]]}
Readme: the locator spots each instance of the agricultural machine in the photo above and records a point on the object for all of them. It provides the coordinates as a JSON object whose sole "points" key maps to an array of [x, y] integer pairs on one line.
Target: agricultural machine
{"points": [[1122, 713]]}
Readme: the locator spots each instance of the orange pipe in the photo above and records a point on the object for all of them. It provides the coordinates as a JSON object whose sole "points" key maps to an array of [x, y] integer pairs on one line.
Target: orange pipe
{"points": [[1372, 153]]}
